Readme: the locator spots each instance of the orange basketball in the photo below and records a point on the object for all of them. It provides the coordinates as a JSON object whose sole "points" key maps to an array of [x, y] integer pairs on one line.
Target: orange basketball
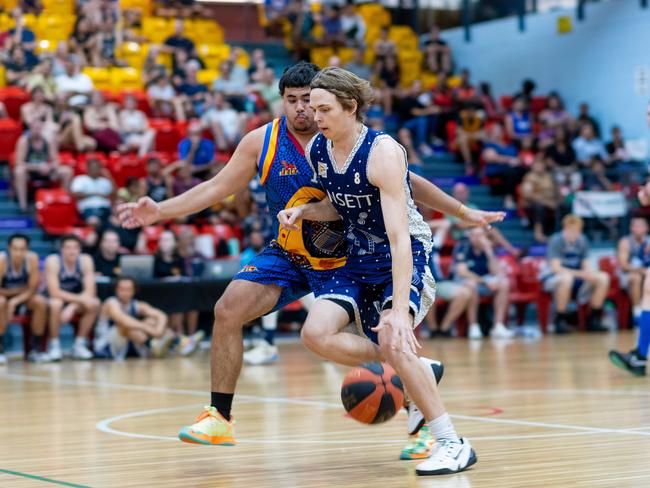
{"points": [[372, 393]]}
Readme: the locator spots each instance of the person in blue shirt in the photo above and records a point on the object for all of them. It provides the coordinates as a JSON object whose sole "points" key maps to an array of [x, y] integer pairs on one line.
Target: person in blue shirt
{"points": [[197, 152], [475, 263]]}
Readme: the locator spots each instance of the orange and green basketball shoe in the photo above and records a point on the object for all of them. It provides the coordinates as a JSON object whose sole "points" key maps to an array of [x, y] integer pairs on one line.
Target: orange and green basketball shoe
{"points": [[210, 429], [420, 445]]}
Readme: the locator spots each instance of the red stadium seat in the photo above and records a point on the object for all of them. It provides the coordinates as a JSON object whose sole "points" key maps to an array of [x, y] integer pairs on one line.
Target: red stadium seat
{"points": [[178, 228], [14, 98], [506, 102], [152, 235], [56, 211], [10, 131], [167, 135], [124, 167], [537, 104]]}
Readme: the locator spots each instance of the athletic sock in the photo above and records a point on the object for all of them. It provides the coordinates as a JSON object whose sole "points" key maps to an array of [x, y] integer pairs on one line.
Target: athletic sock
{"points": [[223, 403], [443, 429], [644, 334], [269, 325], [2, 343]]}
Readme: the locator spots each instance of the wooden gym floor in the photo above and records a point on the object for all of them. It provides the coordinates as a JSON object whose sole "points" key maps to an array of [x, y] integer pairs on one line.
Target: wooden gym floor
{"points": [[539, 414]]}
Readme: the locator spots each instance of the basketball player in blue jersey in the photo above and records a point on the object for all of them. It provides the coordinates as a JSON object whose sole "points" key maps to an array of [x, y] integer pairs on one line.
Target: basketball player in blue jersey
{"points": [[636, 360], [386, 287], [294, 264]]}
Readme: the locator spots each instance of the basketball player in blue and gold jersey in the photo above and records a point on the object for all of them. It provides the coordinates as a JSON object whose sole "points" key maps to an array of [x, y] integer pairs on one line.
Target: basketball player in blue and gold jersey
{"points": [[293, 265]]}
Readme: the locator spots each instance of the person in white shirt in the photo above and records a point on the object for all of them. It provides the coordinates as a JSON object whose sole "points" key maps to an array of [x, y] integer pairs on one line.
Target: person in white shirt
{"points": [[225, 122], [75, 85], [134, 128], [93, 192], [353, 27]]}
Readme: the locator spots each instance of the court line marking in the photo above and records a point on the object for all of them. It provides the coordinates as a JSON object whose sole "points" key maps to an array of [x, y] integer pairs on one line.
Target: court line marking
{"points": [[154, 389], [41, 478]]}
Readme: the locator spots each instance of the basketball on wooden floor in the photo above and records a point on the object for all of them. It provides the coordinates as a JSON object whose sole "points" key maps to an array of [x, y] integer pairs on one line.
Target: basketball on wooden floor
{"points": [[372, 393]]}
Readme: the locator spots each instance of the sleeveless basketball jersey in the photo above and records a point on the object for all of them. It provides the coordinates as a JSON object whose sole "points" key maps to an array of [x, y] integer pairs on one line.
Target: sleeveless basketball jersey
{"points": [[131, 310], [15, 279], [638, 250], [289, 181], [358, 201], [70, 281]]}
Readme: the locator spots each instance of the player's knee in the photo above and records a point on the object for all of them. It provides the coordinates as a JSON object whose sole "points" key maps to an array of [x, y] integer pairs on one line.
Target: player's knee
{"points": [[602, 278], [3, 302], [93, 305], [38, 302], [55, 305], [309, 336], [564, 280]]}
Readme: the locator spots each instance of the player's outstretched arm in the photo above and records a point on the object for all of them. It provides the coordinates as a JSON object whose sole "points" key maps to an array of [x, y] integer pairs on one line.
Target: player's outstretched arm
{"points": [[429, 195], [232, 179], [322, 211], [387, 171]]}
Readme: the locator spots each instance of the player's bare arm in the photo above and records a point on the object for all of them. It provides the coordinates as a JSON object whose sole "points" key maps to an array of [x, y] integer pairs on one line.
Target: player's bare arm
{"points": [[429, 195], [387, 174], [241, 168]]}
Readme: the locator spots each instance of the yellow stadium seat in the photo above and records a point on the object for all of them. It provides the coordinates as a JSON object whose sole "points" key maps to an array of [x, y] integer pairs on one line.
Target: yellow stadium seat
{"points": [[157, 29], [133, 53], [320, 55], [2, 77], [143, 5], [213, 54], [7, 5], [101, 77], [203, 31], [54, 27], [58, 7], [243, 59], [454, 81], [207, 76], [126, 79], [429, 80], [31, 21], [165, 59], [346, 54]]}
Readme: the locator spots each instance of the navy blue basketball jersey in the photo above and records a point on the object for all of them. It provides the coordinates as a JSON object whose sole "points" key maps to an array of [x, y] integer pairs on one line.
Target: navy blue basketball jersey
{"points": [[71, 280], [15, 278], [357, 201]]}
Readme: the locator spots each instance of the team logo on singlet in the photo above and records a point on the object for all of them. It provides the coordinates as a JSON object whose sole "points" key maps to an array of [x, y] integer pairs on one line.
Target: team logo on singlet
{"points": [[322, 170], [288, 169], [249, 268]]}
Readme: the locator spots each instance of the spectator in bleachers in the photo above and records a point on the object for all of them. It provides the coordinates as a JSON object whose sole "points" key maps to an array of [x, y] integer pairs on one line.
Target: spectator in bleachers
{"points": [[358, 66], [256, 243], [71, 289], [388, 77], [470, 134], [42, 77], [437, 54], [519, 122], [17, 67], [231, 84], [156, 181], [353, 26], [443, 98], [177, 41], [384, 46], [465, 92], [417, 120], [555, 115], [162, 99], [125, 319], [596, 178], [585, 118], [475, 264], [587, 146], [84, 41], [132, 191], [616, 147], [129, 238], [258, 66], [74, 85], [502, 161], [108, 39], [168, 263], [568, 274], [275, 12], [107, 256], [134, 128], [22, 36], [268, 88], [332, 26], [540, 199], [197, 152], [183, 182], [561, 159], [629, 256], [460, 191], [93, 192], [39, 109], [60, 59], [191, 92], [225, 123], [37, 159], [461, 297], [152, 69], [489, 103], [526, 93], [70, 128], [101, 121], [19, 281]]}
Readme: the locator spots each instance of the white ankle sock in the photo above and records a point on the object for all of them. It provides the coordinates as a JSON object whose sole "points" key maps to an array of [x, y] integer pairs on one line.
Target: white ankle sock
{"points": [[81, 341], [55, 342], [637, 311], [443, 429]]}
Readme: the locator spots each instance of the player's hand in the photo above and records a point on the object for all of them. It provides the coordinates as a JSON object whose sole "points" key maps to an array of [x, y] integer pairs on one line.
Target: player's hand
{"points": [[12, 305], [644, 194], [481, 218], [290, 217], [144, 212], [399, 328]]}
